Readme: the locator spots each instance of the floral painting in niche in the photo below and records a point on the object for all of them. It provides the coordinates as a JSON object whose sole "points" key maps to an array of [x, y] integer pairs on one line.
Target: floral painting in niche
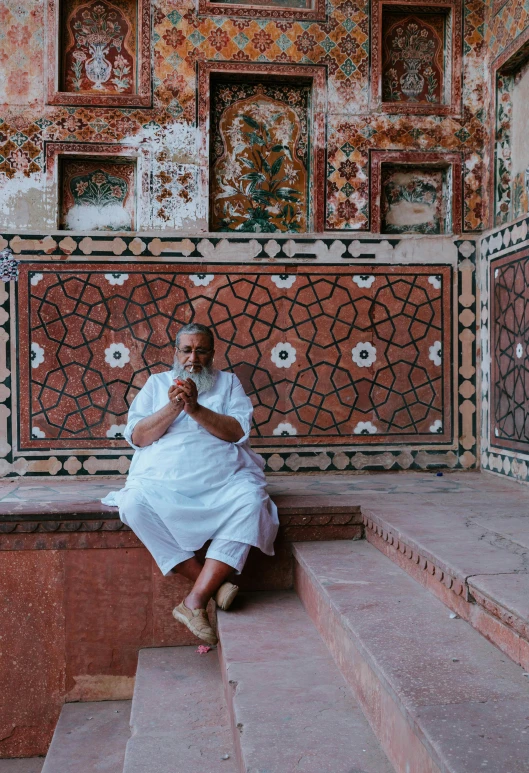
{"points": [[99, 47], [97, 195], [414, 48], [413, 200], [259, 157]]}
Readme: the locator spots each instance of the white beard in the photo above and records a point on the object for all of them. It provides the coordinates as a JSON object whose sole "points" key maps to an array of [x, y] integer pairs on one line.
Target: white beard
{"points": [[204, 379]]}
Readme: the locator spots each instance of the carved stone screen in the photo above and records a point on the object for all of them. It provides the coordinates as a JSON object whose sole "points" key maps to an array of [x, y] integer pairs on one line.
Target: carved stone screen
{"points": [[328, 355], [260, 156]]}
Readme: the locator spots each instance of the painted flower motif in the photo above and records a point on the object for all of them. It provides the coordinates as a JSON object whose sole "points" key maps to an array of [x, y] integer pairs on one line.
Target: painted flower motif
{"points": [[364, 280], [120, 61], [116, 279], [283, 280], [519, 350], [116, 431], [79, 55], [117, 355], [435, 281], [115, 191], [364, 354], [99, 178], [437, 426], [36, 432], [201, 280], [37, 355], [35, 279], [284, 429], [435, 353], [365, 428], [81, 187], [283, 355]]}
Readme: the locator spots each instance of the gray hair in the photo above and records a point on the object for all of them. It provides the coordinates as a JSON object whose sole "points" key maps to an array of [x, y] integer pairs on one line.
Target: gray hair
{"points": [[194, 328]]}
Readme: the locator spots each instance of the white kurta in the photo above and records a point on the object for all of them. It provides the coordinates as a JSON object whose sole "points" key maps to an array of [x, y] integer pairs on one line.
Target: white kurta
{"points": [[200, 486]]}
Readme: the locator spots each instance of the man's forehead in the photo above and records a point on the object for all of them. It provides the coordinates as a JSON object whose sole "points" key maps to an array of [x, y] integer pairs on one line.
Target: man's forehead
{"points": [[194, 339]]}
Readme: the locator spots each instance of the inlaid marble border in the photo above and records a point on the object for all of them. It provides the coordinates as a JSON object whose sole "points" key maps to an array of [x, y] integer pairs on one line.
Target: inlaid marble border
{"points": [[143, 96], [317, 75], [454, 54], [461, 254]]}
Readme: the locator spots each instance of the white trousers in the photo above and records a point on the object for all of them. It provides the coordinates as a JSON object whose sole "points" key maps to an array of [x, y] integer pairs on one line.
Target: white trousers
{"points": [[152, 531]]}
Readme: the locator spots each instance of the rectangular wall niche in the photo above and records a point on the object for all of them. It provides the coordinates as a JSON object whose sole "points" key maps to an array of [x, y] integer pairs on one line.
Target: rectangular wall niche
{"points": [[416, 57], [415, 199], [99, 52], [299, 10], [260, 155], [96, 194]]}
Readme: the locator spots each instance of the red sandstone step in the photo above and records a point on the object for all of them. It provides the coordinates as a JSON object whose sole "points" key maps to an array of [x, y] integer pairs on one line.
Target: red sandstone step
{"points": [[179, 719], [474, 557], [438, 695], [291, 709], [89, 737]]}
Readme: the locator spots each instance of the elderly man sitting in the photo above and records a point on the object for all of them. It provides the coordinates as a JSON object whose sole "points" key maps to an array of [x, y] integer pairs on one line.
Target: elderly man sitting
{"points": [[195, 478]]}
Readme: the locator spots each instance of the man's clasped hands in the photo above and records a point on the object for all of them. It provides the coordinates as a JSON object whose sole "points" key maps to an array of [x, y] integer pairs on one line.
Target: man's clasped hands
{"points": [[183, 395]]}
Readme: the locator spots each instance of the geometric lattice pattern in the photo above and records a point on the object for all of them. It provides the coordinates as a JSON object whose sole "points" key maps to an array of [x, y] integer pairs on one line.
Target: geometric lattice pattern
{"points": [[327, 354], [509, 351]]}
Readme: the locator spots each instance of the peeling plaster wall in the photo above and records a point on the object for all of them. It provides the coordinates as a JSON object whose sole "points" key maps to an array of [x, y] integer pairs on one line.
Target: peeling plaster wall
{"points": [[174, 199]]}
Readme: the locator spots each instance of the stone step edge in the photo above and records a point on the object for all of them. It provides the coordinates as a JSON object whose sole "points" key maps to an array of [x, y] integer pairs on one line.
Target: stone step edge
{"points": [[495, 622]]}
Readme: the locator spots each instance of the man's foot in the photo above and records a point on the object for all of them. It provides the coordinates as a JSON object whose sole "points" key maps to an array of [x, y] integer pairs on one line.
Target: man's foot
{"points": [[225, 595], [197, 622]]}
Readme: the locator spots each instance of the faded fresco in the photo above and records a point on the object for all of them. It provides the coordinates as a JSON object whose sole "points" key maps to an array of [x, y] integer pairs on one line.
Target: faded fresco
{"points": [[97, 192], [414, 53], [260, 157], [413, 200], [99, 49]]}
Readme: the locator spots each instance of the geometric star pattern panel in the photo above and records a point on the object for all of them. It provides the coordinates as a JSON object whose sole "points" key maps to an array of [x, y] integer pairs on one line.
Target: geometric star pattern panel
{"points": [[328, 354], [509, 283]]}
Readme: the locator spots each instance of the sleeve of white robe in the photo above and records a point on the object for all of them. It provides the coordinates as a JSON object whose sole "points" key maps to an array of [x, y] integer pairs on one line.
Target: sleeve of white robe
{"points": [[141, 406], [240, 407]]}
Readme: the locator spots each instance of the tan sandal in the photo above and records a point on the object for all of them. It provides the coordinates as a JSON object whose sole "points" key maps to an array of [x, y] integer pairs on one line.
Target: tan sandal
{"points": [[197, 621], [225, 595]]}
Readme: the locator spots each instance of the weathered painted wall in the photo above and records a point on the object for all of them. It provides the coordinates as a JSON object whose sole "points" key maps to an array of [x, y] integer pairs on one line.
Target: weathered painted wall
{"points": [[167, 133]]}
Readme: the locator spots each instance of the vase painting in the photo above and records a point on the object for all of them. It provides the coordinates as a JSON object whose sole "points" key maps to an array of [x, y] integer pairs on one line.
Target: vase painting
{"points": [[259, 157], [100, 51], [413, 66]]}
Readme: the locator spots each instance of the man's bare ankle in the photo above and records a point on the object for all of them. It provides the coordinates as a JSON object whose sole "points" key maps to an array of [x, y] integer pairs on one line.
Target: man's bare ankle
{"points": [[194, 602]]}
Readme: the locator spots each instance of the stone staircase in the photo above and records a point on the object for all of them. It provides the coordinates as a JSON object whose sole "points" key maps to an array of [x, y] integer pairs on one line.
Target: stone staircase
{"points": [[360, 669]]}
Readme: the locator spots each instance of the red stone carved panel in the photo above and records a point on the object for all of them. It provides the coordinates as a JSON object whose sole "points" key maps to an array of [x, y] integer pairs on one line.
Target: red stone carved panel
{"points": [[260, 151], [416, 57], [99, 53], [328, 354], [96, 194], [509, 388]]}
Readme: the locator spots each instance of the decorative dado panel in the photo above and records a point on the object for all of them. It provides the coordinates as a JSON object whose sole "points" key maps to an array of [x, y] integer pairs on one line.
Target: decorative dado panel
{"points": [[504, 285], [353, 359], [416, 57], [99, 53]]}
